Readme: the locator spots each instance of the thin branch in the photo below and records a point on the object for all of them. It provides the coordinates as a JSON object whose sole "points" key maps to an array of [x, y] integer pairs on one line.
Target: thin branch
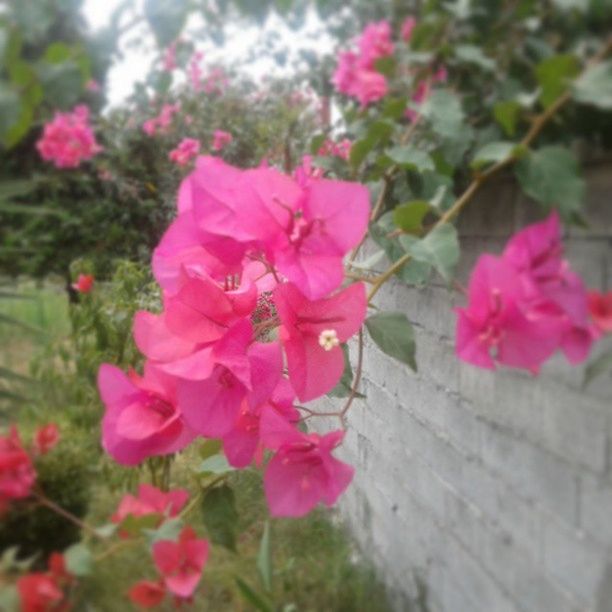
{"points": [[51, 505], [537, 126]]}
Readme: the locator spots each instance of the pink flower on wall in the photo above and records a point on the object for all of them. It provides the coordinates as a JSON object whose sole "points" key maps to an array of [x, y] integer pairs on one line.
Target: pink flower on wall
{"points": [[151, 500], [68, 139], [408, 26], [525, 305]]}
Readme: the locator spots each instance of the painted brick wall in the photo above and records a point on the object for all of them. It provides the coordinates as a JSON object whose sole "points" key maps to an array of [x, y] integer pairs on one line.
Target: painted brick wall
{"points": [[483, 491]]}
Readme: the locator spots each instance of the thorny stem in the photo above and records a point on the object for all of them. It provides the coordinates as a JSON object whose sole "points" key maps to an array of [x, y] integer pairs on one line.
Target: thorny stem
{"points": [[537, 126]]}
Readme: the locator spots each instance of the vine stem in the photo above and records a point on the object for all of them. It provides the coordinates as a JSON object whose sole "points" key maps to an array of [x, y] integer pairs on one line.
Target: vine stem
{"points": [[51, 505], [356, 379], [536, 127]]}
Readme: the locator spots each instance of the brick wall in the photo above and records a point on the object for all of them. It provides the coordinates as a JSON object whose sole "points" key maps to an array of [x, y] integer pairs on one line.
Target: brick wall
{"points": [[483, 491]]}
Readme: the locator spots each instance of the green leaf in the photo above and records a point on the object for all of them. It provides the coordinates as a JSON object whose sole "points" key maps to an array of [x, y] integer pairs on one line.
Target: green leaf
{"points": [[378, 132], [61, 83], [135, 525], [14, 321], [166, 18], [215, 464], [344, 386], [264, 558], [493, 152], [474, 55], [9, 597], [550, 175], [108, 530], [78, 559], [220, 516], [440, 248], [595, 86], [443, 109], [412, 158], [409, 216], [506, 113], [554, 75], [597, 367], [209, 448], [168, 530], [252, 597], [394, 335]]}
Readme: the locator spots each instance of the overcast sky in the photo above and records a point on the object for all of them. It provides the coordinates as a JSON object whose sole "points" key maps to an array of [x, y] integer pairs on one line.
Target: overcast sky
{"points": [[137, 60]]}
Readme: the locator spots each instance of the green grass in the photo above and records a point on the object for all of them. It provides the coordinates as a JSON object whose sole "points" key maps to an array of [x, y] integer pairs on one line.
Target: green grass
{"points": [[313, 561]]}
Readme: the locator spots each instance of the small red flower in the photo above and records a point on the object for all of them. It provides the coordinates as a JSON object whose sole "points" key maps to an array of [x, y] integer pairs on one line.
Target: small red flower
{"points": [[17, 473], [84, 283], [46, 438], [147, 594], [38, 593]]}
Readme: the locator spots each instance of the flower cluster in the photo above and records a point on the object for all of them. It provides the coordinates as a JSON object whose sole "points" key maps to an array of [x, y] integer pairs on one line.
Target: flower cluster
{"points": [[185, 151], [162, 122], [68, 139], [17, 473], [220, 140], [526, 304], [251, 273], [84, 283], [356, 74], [340, 149]]}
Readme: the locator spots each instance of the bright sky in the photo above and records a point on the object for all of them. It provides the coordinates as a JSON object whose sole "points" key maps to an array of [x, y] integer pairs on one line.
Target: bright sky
{"points": [[137, 58]]}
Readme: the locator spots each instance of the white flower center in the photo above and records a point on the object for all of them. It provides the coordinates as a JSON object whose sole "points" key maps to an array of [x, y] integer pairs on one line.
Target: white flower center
{"points": [[328, 339]]}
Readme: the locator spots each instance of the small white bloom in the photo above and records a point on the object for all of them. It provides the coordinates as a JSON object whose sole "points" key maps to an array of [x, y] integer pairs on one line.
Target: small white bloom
{"points": [[328, 338]]}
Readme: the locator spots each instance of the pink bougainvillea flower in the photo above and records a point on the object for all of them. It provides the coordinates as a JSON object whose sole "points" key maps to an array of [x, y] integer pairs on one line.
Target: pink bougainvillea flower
{"points": [[17, 473], [340, 149], [494, 328], [240, 443], [202, 310], [162, 122], [221, 139], [185, 151], [311, 333], [600, 309], [374, 43], [305, 172], [38, 592], [151, 500], [182, 247], [317, 236], [84, 283], [181, 563], [147, 593], [408, 26], [303, 471], [344, 74], [303, 231], [141, 418], [59, 571], [551, 288], [46, 438], [220, 378], [68, 139]]}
